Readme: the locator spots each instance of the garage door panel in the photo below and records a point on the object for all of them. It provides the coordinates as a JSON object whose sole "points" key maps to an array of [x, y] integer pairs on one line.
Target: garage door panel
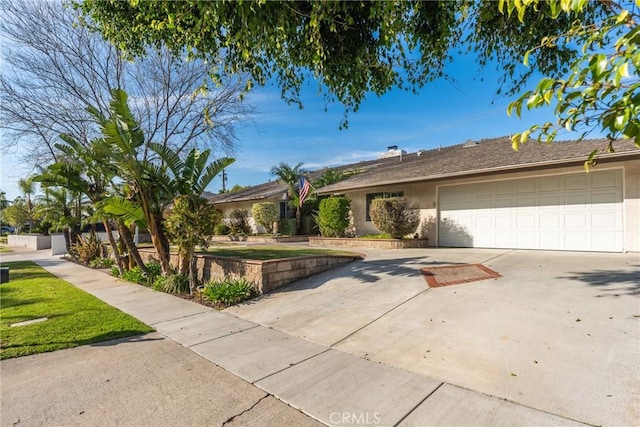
{"points": [[575, 182], [575, 221], [505, 188], [553, 221], [550, 185], [570, 212], [524, 187], [607, 179]]}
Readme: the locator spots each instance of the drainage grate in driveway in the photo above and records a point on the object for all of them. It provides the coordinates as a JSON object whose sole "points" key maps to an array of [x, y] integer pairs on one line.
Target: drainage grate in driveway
{"points": [[456, 274]]}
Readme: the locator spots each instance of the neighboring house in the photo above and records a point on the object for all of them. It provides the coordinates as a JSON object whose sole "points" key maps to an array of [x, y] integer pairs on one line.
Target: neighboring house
{"points": [[244, 199], [276, 192], [483, 194]]}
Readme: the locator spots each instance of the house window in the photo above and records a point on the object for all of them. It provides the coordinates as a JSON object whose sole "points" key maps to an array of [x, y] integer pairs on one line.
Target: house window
{"points": [[284, 210], [372, 196]]}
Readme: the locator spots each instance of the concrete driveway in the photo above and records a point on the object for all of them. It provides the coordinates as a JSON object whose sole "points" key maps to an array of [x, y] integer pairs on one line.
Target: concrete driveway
{"points": [[559, 332]]}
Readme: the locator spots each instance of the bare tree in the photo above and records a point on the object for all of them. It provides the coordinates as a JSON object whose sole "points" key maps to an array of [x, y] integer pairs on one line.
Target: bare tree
{"points": [[54, 67]]}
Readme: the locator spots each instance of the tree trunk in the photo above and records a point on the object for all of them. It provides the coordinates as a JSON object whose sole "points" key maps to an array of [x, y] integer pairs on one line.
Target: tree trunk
{"points": [[160, 243], [114, 245], [185, 263], [127, 238], [298, 222], [193, 273]]}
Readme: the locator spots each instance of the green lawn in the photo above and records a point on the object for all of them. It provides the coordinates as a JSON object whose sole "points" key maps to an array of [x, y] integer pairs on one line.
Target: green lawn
{"points": [[5, 249], [75, 317], [271, 252]]}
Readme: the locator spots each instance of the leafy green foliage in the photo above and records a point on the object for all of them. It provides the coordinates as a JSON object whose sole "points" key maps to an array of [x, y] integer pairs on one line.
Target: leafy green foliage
{"points": [[175, 284], [287, 226], [102, 263], [239, 221], [602, 87], [191, 223], [265, 214], [331, 176], [229, 291], [17, 213], [87, 249], [333, 216], [394, 216], [74, 316], [134, 275], [222, 229], [351, 48]]}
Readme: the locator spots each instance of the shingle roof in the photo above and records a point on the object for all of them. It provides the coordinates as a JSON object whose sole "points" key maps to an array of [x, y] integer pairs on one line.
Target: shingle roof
{"points": [[275, 188], [473, 157]]}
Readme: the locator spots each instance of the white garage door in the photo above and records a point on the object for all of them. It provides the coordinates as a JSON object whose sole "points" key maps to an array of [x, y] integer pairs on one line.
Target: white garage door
{"points": [[580, 211]]}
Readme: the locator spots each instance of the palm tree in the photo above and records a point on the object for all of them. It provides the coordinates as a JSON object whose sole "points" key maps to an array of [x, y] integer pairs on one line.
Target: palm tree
{"points": [[27, 186], [148, 184], [81, 171], [59, 207], [290, 175], [191, 177]]}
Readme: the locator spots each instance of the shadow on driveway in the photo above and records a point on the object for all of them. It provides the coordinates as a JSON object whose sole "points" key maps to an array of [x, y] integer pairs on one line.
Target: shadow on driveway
{"points": [[614, 282]]}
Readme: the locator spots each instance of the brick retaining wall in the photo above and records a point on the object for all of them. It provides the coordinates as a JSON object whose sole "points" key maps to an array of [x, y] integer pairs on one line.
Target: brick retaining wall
{"points": [[368, 243], [266, 275]]}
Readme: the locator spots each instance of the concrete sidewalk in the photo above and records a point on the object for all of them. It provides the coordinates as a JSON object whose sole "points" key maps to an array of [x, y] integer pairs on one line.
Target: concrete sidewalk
{"points": [[329, 385]]}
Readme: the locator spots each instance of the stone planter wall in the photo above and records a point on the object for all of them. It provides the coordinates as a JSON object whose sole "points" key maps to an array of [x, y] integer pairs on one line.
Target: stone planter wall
{"points": [[260, 239], [266, 275], [368, 243], [30, 241]]}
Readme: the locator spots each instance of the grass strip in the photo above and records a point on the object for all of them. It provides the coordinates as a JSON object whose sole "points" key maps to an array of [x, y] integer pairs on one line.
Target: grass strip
{"points": [[74, 317]]}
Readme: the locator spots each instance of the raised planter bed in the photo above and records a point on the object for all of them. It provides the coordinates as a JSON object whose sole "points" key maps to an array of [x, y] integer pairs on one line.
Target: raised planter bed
{"points": [[368, 243], [260, 239], [266, 275]]}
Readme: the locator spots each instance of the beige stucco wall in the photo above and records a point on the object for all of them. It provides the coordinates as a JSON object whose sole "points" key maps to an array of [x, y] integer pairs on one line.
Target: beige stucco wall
{"points": [[424, 194], [632, 206]]}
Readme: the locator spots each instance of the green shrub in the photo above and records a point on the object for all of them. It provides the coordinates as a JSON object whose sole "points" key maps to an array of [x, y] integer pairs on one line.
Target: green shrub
{"points": [[287, 226], [134, 275], [87, 248], [265, 214], [239, 221], [102, 263], [115, 271], [394, 216], [172, 284], [154, 270], [229, 291], [333, 216], [221, 229]]}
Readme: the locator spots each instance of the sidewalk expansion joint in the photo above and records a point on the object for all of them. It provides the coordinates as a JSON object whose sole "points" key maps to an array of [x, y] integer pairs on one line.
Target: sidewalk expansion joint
{"points": [[498, 256], [379, 317], [222, 336], [290, 366], [228, 420], [419, 403], [170, 320]]}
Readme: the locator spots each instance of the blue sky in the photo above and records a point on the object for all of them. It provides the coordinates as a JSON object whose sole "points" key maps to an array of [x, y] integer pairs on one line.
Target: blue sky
{"points": [[441, 114]]}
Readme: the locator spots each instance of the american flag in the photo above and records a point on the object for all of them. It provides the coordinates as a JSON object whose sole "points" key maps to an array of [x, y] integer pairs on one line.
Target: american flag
{"points": [[303, 189]]}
